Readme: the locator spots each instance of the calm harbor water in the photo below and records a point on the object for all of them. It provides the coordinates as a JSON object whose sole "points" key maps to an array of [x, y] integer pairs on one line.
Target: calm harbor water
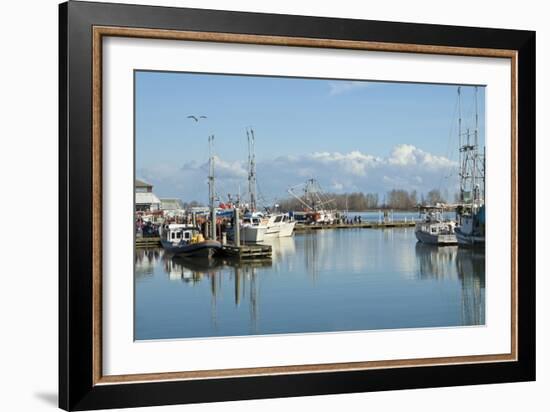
{"points": [[329, 280]]}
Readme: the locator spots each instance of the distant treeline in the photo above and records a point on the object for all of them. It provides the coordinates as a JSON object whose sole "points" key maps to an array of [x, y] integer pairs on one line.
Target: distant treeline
{"points": [[394, 199], [397, 199], [191, 204]]}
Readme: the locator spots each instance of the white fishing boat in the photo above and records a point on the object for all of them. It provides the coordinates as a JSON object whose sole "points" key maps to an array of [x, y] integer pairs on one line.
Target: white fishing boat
{"points": [[433, 229], [280, 225], [286, 226], [256, 226], [187, 240], [253, 228]]}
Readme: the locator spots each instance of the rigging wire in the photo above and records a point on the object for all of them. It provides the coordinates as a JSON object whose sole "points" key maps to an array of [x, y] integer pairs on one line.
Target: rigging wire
{"points": [[449, 153]]}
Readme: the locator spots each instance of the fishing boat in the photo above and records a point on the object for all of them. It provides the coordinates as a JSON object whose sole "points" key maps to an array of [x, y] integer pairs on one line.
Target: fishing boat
{"points": [[280, 225], [471, 212], [433, 229], [318, 217], [314, 202], [187, 240], [286, 226], [471, 229], [256, 225], [253, 228]]}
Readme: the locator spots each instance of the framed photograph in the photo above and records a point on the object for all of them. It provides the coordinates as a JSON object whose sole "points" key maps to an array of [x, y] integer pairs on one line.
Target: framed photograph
{"points": [[256, 205]]}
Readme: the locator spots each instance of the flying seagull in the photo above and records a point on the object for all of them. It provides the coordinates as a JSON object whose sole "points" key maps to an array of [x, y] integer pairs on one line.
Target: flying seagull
{"points": [[195, 118]]}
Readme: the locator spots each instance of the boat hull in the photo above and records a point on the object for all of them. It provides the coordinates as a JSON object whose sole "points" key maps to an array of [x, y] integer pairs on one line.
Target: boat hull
{"points": [[287, 229], [436, 239], [253, 234], [280, 230], [204, 249], [272, 231], [469, 240]]}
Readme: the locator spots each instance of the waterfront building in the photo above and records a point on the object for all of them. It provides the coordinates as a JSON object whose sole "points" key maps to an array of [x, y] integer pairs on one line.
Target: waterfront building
{"points": [[146, 200]]}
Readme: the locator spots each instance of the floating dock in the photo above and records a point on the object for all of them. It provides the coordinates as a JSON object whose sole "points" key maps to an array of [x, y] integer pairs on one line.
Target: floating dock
{"points": [[247, 251], [148, 242], [364, 225]]}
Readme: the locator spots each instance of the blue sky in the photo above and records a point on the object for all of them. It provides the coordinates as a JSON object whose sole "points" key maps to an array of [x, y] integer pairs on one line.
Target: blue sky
{"points": [[351, 136]]}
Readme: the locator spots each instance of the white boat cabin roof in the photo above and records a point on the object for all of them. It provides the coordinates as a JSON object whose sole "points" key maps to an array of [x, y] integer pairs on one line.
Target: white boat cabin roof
{"points": [[253, 215], [181, 226]]}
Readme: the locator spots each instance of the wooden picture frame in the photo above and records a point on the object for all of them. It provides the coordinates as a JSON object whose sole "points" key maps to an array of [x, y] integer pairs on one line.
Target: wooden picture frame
{"points": [[81, 382]]}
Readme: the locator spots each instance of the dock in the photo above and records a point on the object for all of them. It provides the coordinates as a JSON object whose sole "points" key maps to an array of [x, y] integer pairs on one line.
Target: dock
{"points": [[147, 242], [247, 251], [364, 225]]}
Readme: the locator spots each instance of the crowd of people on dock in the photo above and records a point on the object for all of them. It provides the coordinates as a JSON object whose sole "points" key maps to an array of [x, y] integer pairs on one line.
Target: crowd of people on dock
{"points": [[346, 220]]}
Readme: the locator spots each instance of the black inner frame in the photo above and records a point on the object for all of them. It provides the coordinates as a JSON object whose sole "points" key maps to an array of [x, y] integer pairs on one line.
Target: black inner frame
{"points": [[76, 389]]}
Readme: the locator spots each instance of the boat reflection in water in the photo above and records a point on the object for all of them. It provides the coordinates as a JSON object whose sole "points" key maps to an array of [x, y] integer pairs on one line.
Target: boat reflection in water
{"points": [[466, 266], [323, 281], [193, 271], [221, 274], [282, 247], [146, 260]]}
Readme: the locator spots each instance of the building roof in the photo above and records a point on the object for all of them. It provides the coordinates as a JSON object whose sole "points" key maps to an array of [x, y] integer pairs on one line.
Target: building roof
{"points": [[147, 198], [171, 204], [141, 183]]}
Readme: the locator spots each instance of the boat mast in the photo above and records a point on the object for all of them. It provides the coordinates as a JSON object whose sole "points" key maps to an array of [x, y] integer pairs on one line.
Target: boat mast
{"points": [[475, 156], [470, 162], [459, 120], [313, 197], [211, 188], [251, 168], [484, 157], [476, 131], [473, 176], [460, 147], [308, 192], [479, 164]]}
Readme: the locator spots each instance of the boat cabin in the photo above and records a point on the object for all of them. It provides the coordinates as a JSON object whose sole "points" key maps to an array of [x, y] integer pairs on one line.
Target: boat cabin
{"points": [[252, 220], [178, 233], [433, 222]]}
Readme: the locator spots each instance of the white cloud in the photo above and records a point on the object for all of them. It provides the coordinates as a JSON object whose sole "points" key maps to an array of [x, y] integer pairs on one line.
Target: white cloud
{"points": [[189, 181], [341, 86], [409, 155], [354, 163], [229, 170], [406, 167], [403, 155]]}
